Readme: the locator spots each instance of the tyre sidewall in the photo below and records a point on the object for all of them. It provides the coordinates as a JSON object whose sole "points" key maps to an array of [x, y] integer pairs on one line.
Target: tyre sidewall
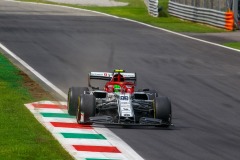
{"points": [[73, 94], [86, 107], [163, 109]]}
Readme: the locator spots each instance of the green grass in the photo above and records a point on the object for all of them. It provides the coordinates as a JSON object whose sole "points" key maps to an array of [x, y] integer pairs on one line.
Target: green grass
{"points": [[22, 137], [235, 45], [136, 10]]}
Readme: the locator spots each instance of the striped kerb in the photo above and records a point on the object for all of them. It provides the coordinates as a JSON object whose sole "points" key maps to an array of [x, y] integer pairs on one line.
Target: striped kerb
{"points": [[49, 106], [83, 136], [96, 148], [70, 125], [75, 135], [100, 159], [57, 115]]}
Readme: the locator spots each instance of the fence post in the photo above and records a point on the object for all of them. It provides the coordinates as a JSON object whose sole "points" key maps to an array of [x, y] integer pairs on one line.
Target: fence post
{"points": [[235, 12]]}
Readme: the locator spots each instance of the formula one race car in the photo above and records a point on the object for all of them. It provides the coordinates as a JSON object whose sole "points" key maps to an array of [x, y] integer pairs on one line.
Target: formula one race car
{"points": [[118, 103]]}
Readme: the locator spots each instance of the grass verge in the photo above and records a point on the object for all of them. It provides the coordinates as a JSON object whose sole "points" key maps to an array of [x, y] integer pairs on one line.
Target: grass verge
{"points": [[235, 45], [22, 136], [136, 10]]}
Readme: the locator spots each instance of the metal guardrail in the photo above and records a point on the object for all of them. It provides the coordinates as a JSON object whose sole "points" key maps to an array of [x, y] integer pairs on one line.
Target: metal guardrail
{"points": [[219, 5], [203, 15], [152, 6]]}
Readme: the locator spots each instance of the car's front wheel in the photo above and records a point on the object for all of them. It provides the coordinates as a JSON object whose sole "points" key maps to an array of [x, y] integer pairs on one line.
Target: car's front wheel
{"points": [[163, 110], [86, 108]]}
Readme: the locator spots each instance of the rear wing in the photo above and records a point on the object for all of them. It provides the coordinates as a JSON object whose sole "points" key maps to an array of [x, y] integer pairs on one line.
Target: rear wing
{"points": [[129, 76], [107, 76], [100, 75]]}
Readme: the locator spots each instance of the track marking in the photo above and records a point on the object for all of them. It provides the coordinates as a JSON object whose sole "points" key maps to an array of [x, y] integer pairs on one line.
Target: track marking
{"points": [[83, 136], [50, 106], [81, 141], [126, 19], [96, 148], [70, 125], [113, 138], [38, 75]]}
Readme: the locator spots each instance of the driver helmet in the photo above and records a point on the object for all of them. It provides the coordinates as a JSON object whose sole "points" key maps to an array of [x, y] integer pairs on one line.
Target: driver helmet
{"points": [[116, 88]]}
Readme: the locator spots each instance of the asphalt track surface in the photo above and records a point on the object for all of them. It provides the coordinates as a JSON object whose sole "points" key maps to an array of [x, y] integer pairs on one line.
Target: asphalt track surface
{"points": [[202, 80]]}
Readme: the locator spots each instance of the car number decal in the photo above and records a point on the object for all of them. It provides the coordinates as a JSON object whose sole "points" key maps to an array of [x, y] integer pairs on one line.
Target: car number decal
{"points": [[124, 98]]}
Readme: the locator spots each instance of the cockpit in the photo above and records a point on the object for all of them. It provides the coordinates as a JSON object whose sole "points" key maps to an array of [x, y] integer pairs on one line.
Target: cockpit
{"points": [[118, 78]]}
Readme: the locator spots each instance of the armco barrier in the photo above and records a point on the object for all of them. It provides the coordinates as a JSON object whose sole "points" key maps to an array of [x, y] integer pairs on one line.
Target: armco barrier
{"points": [[203, 15], [152, 6]]}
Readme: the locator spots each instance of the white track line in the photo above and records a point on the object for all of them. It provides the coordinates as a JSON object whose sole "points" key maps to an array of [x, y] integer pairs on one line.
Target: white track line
{"points": [[23, 63], [111, 136], [127, 153], [179, 34]]}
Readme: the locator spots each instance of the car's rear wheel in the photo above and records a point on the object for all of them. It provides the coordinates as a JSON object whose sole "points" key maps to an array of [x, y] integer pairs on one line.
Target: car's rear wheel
{"points": [[163, 110], [73, 94], [86, 108]]}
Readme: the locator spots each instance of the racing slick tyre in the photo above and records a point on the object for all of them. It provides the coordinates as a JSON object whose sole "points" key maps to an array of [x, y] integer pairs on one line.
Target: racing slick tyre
{"points": [[73, 94], [86, 108], [163, 110]]}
